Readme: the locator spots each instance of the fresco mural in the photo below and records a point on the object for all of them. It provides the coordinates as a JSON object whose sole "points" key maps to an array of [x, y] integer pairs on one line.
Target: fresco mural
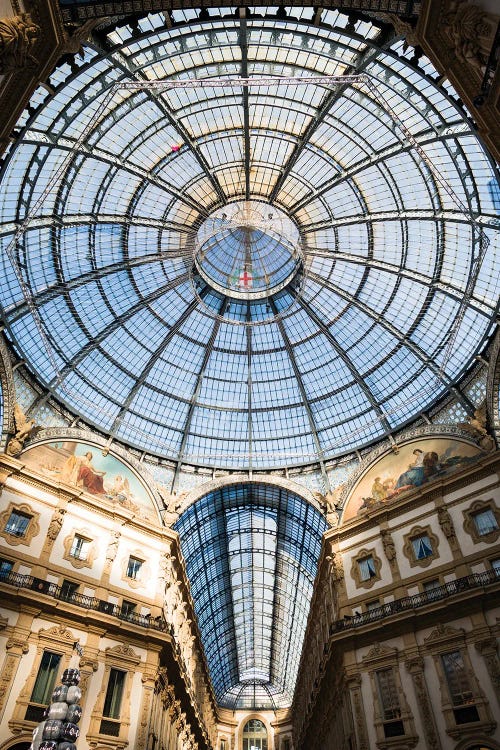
{"points": [[84, 466], [416, 463]]}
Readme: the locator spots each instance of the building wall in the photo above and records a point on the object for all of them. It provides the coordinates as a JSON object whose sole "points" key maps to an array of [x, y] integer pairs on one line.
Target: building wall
{"points": [[394, 621], [167, 695]]}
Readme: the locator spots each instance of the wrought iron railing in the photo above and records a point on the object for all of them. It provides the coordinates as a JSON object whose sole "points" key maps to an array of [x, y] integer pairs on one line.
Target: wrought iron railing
{"points": [[473, 581], [41, 586]]}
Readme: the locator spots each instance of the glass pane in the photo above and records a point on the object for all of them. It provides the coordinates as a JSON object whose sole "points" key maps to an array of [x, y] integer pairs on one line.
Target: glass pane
{"points": [[46, 677], [388, 694], [485, 521], [17, 523], [457, 678], [114, 693]]}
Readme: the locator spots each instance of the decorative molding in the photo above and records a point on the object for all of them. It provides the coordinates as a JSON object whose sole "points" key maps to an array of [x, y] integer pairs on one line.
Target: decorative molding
{"points": [[185, 500], [408, 551], [32, 530], [470, 524], [76, 562], [355, 570]]}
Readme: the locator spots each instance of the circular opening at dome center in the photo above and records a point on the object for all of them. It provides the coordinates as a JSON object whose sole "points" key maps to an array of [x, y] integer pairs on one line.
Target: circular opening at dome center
{"points": [[248, 250]]}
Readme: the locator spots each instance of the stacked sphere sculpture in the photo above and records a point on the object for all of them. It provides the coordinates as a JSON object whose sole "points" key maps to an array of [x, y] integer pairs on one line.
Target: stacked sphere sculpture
{"points": [[59, 730]]}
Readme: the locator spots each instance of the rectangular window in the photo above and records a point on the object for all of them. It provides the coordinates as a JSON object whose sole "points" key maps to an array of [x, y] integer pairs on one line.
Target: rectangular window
{"points": [[389, 702], [432, 588], [80, 547], [366, 568], [374, 604], [134, 568], [5, 567], [114, 694], [485, 521], [459, 688], [422, 546], [457, 679], [46, 677], [17, 523], [495, 564], [68, 589]]}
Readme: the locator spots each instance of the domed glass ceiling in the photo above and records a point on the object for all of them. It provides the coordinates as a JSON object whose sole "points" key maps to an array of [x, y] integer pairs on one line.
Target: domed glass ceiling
{"points": [[338, 298]]}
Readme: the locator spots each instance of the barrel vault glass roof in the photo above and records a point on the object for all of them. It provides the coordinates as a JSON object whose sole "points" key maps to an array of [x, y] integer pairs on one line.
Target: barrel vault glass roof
{"points": [[105, 302], [251, 554]]}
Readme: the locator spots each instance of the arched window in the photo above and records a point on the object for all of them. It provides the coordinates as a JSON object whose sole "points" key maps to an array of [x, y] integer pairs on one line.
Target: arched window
{"points": [[254, 735]]}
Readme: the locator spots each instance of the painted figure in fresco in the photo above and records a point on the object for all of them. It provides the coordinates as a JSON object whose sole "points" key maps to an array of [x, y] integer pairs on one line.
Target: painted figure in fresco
{"points": [[89, 477], [420, 470], [121, 488]]}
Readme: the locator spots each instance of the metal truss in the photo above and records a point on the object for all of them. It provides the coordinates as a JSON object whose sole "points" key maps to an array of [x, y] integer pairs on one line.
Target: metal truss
{"points": [[360, 81]]}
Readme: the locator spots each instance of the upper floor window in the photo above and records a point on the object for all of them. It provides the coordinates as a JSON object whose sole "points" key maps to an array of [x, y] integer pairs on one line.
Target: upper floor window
{"points": [[80, 547], [110, 723], [422, 546], [367, 568], [495, 564], [134, 567], [17, 523], [482, 521], [127, 608], [68, 589], [485, 521], [114, 694]]}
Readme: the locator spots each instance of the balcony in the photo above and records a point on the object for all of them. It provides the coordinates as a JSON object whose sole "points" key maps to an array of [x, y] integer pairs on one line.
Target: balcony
{"points": [[408, 603], [54, 591]]}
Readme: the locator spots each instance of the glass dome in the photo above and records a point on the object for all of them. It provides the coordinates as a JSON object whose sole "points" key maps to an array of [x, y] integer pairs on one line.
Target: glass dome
{"points": [[248, 341]]}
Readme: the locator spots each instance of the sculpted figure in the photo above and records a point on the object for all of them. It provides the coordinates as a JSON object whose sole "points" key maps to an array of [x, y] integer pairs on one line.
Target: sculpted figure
{"points": [[476, 426], [389, 548], [469, 30], [23, 426], [56, 524], [18, 36]]}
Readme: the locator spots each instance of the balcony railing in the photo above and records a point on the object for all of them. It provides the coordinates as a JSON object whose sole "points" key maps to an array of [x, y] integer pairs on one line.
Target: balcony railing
{"points": [[82, 600], [468, 583]]}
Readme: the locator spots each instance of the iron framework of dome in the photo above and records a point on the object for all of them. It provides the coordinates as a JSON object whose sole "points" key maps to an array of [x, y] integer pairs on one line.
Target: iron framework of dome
{"points": [[347, 343]]}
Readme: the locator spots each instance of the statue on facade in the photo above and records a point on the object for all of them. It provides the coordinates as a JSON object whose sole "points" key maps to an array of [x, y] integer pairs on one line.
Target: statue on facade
{"points": [[56, 524], [388, 544], [24, 428], [476, 426], [446, 523], [18, 36], [470, 30]]}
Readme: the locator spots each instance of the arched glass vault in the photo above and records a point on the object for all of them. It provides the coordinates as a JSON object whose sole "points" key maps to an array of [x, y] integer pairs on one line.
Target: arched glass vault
{"points": [[251, 553], [293, 353]]}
